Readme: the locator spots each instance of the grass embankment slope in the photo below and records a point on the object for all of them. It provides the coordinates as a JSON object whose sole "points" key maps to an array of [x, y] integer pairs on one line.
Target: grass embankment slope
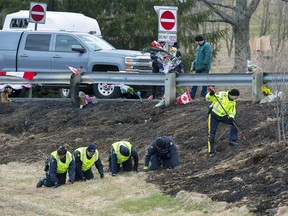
{"points": [[126, 194]]}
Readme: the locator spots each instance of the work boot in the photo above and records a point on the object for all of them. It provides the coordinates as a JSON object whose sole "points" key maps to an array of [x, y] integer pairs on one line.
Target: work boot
{"points": [[40, 182], [233, 143], [211, 154]]}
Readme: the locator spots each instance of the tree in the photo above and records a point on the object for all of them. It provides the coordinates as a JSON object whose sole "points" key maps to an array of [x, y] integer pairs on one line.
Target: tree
{"points": [[239, 16]]}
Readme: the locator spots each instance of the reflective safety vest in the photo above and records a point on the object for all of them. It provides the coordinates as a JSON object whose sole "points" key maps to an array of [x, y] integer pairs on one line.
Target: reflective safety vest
{"points": [[116, 146], [229, 105], [86, 162], [62, 167]]}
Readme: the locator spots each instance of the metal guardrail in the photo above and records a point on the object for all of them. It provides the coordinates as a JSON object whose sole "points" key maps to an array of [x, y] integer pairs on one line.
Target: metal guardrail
{"points": [[149, 79]]}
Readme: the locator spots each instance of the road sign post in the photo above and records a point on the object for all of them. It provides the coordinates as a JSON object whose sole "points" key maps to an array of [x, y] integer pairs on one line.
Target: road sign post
{"points": [[37, 13]]}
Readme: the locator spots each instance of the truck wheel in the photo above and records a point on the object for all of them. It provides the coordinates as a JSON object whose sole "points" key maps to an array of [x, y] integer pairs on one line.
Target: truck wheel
{"points": [[64, 93], [106, 91]]}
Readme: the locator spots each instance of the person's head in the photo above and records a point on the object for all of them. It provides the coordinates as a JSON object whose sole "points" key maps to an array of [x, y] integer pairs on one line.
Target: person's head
{"points": [[175, 45], [199, 39], [233, 94], [91, 150], [61, 152], [160, 143], [124, 151]]}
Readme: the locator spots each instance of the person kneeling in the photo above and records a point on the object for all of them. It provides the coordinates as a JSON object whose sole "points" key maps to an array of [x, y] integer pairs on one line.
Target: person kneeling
{"points": [[161, 153], [85, 157]]}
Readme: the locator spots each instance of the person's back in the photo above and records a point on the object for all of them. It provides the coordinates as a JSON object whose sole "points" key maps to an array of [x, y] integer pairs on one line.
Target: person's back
{"points": [[162, 152]]}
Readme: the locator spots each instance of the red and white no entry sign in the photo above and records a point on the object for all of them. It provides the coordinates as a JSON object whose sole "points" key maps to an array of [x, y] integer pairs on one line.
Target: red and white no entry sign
{"points": [[37, 13], [167, 20]]}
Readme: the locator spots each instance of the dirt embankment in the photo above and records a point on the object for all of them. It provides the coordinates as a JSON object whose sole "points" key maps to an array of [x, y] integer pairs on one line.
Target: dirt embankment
{"points": [[253, 173]]}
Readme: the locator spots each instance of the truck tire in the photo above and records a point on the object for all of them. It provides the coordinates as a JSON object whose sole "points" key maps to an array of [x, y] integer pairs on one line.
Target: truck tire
{"points": [[106, 91], [64, 93]]}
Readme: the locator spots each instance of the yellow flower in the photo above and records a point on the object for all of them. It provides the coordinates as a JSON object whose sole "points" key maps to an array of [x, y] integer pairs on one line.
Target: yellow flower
{"points": [[266, 90]]}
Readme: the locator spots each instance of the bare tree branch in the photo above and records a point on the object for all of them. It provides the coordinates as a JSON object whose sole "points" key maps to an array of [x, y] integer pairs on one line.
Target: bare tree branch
{"points": [[224, 16]]}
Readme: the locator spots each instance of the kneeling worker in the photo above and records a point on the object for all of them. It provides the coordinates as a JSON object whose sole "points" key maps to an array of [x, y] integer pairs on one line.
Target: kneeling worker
{"points": [[120, 157], [59, 163], [161, 153], [85, 157]]}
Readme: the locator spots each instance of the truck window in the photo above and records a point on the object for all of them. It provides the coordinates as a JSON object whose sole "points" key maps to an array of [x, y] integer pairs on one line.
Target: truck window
{"points": [[64, 43], [19, 23], [38, 42]]}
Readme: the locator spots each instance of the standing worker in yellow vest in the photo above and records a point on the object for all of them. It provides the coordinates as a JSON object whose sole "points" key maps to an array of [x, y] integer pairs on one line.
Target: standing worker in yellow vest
{"points": [[223, 109], [120, 157], [85, 157], [58, 164]]}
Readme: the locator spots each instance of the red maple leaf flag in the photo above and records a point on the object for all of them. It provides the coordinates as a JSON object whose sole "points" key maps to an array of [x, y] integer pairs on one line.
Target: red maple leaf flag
{"points": [[74, 70], [184, 98]]}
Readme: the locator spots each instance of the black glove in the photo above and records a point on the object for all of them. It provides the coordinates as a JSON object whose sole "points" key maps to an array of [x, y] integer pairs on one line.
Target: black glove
{"points": [[83, 178], [101, 175], [211, 93]]}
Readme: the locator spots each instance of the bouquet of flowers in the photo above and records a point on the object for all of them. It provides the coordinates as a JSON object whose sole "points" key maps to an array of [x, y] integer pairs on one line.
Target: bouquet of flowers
{"points": [[266, 90], [125, 89], [167, 59]]}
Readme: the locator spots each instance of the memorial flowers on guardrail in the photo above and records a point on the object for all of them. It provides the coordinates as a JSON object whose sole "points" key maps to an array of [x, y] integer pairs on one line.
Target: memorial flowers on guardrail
{"points": [[167, 59]]}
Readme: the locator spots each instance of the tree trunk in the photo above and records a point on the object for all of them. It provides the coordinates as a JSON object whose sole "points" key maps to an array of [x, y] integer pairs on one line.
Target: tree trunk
{"points": [[242, 48]]}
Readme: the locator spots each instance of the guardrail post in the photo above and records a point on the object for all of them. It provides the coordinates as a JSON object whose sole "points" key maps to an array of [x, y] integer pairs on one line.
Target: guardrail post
{"points": [[257, 83], [170, 88], [74, 89]]}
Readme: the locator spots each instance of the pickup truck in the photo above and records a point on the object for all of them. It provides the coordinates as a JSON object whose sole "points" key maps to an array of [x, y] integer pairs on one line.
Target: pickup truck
{"points": [[51, 51]]}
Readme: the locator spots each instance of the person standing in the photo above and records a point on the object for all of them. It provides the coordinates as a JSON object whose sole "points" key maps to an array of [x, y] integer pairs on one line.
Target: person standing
{"points": [[202, 63], [59, 162], [157, 67], [85, 157], [162, 152], [120, 157], [222, 109]]}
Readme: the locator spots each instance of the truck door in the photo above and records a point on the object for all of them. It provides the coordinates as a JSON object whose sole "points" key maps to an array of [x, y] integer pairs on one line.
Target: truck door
{"points": [[63, 54], [34, 52]]}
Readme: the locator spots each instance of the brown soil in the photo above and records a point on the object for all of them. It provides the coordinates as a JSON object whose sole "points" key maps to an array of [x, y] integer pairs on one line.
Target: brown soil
{"points": [[252, 174]]}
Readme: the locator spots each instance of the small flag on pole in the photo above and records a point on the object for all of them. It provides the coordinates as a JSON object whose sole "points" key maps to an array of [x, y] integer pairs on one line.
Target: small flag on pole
{"points": [[74, 70]]}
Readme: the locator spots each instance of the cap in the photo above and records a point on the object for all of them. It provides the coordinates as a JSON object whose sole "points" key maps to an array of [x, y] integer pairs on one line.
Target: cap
{"points": [[160, 143], [199, 38], [91, 148], [234, 92], [61, 151], [124, 151]]}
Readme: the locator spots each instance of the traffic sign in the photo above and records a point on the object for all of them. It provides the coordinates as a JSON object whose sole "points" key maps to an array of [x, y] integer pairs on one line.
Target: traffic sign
{"points": [[37, 12], [167, 37], [167, 20]]}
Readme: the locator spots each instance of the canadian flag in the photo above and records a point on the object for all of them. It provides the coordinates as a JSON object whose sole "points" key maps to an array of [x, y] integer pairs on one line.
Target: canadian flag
{"points": [[184, 98], [74, 70], [25, 75]]}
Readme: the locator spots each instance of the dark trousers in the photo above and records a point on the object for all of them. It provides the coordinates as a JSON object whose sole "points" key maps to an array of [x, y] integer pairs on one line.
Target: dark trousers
{"points": [[88, 175], [156, 162], [60, 177], [213, 122], [126, 166], [195, 88]]}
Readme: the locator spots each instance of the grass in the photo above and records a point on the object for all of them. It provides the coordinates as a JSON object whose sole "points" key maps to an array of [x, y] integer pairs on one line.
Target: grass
{"points": [[126, 194]]}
